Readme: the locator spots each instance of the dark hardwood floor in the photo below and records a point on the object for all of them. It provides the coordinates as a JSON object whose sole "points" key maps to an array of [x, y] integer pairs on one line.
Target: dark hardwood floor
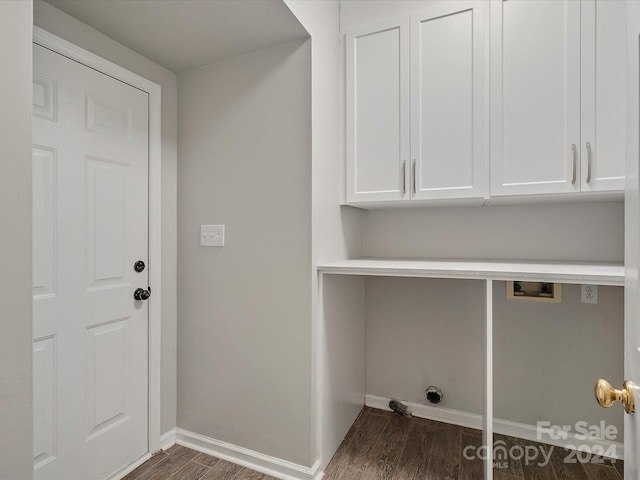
{"points": [[384, 446], [181, 463]]}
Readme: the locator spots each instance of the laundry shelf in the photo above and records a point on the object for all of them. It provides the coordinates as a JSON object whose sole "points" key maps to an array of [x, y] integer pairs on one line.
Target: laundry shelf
{"points": [[597, 273]]}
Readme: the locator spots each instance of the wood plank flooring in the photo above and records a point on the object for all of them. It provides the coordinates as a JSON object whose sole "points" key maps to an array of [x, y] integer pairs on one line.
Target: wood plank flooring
{"points": [[385, 446], [181, 463]]}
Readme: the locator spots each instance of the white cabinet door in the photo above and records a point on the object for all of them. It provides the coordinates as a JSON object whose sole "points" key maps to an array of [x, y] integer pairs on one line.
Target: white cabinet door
{"points": [[603, 94], [535, 97], [448, 102], [377, 96]]}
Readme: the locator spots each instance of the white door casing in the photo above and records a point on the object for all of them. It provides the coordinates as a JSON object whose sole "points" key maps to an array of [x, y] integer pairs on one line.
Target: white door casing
{"points": [[632, 241], [90, 163], [68, 49]]}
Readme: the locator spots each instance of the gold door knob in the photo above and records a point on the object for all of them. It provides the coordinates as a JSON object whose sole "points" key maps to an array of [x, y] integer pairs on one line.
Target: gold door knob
{"points": [[606, 395]]}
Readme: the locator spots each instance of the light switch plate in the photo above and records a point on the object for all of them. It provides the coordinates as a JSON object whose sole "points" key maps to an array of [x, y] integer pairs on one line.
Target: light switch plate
{"points": [[212, 235]]}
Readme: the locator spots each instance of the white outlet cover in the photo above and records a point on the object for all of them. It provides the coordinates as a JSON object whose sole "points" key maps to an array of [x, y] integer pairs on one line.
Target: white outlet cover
{"points": [[212, 235], [589, 294]]}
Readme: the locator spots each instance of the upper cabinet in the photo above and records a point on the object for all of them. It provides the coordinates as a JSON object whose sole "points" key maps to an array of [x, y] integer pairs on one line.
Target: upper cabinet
{"points": [[472, 99], [557, 96], [415, 107]]}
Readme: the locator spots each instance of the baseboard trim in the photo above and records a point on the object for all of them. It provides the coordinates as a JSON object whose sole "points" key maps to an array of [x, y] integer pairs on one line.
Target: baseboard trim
{"points": [[447, 415], [260, 462], [530, 432], [168, 439], [504, 427]]}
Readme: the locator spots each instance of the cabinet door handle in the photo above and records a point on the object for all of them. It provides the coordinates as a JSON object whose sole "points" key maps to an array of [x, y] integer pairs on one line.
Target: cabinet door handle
{"points": [[414, 176], [589, 155], [404, 177], [574, 151]]}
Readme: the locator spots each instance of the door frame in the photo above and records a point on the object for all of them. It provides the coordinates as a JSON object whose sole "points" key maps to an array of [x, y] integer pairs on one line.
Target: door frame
{"points": [[632, 233], [63, 47]]}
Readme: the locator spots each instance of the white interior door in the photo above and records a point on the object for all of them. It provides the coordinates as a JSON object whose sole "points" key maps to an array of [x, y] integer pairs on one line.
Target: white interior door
{"points": [[632, 241], [90, 210]]}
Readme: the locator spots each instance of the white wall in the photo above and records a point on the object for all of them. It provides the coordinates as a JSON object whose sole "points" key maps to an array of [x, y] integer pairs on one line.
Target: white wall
{"points": [[337, 231], [342, 340], [16, 426], [67, 27], [244, 336]]}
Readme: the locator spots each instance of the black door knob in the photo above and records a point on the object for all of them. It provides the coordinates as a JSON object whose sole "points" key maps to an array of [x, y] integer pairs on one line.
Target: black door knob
{"points": [[141, 294]]}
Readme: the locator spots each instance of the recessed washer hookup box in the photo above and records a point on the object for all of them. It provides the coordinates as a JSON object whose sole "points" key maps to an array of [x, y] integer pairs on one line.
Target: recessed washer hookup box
{"points": [[535, 291]]}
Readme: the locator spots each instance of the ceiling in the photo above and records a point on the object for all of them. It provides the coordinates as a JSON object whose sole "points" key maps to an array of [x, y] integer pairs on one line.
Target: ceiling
{"points": [[186, 34]]}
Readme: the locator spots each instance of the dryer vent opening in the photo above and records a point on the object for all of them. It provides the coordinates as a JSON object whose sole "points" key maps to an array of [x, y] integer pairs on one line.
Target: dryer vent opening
{"points": [[434, 395]]}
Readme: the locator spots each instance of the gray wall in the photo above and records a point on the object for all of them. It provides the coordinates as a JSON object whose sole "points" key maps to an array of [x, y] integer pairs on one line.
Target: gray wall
{"points": [[67, 27], [16, 427], [590, 231], [548, 356], [362, 12], [423, 332], [244, 337]]}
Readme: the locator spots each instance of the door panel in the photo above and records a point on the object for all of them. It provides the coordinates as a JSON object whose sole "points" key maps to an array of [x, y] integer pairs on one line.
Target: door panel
{"points": [[106, 221], [107, 366], [45, 402], [45, 95], [90, 225], [107, 119], [535, 100], [44, 175]]}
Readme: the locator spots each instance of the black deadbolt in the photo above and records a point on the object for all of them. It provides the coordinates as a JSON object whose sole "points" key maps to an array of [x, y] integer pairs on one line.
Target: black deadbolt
{"points": [[139, 266], [141, 294]]}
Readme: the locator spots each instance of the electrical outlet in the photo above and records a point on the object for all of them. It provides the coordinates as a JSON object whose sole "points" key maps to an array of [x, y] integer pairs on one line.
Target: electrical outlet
{"points": [[212, 235], [589, 294]]}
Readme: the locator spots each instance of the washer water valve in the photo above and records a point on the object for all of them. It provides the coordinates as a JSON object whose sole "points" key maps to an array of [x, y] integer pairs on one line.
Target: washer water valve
{"points": [[434, 395], [399, 408]]}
